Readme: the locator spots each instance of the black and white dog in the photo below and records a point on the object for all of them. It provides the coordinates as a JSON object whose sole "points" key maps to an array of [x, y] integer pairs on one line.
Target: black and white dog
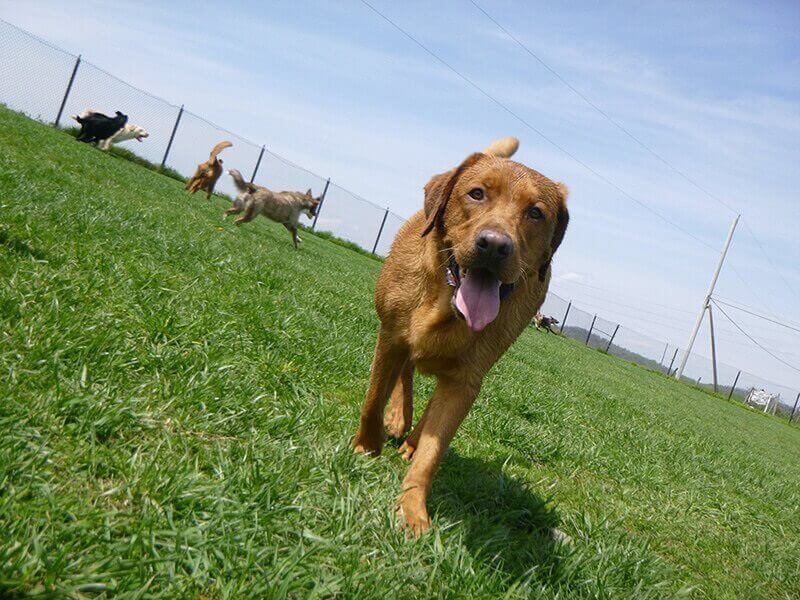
{"points": [[128, 132], [96, 127]]}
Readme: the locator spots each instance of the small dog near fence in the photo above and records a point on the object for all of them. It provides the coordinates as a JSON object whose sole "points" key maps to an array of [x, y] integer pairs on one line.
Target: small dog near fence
{"points": [[207, 173], [97, 127], [128, 132], [281, 207], [463, 279], [546, 323]]}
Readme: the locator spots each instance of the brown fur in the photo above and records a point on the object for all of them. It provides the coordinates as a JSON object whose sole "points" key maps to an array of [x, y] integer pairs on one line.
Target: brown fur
{"points": [[207, 173], [419, 329]]}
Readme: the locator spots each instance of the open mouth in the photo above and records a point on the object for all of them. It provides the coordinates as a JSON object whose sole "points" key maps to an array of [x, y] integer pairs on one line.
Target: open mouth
{"points": [[477, 294]]}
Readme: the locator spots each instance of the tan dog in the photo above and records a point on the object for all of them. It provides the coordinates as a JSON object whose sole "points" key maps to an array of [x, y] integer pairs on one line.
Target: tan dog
{"points": [[281, 207], [207, 173], [463, 279]]}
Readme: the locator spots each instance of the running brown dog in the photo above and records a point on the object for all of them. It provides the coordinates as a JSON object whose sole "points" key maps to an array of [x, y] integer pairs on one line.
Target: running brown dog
{"points": [[463, 279], [207, 173]]}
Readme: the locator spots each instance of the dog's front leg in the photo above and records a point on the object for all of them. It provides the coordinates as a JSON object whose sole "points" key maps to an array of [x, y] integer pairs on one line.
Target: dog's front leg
{"points": [[400, 413], [451, 402], [249, 213], [390, 357]]}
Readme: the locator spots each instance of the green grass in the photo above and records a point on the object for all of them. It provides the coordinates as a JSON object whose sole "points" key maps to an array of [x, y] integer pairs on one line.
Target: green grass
{"points": [[177, 396]]}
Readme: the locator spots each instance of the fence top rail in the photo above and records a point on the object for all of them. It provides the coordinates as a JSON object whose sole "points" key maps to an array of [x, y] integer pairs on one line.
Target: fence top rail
{"points": [[38, 39]]}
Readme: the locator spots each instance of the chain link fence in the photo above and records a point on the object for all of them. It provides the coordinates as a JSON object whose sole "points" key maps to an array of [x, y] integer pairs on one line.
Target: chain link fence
{"points": [[49, 84], [658, 355]]}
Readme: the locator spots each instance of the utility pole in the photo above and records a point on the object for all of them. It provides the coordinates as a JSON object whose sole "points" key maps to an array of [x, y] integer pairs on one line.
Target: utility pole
{"points": [[703, 307], [713, 347]]}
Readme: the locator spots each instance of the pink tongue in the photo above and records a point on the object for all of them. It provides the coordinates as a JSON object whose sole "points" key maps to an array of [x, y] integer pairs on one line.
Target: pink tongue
{"points": [[478, 299]]}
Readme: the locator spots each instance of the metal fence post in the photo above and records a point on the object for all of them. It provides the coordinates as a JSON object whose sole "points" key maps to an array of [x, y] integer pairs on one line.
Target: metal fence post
{"points": [[791, 416], [733, 387], [172, 137], [258, 164], [319, 206], [612, 337], [589, 335], [674, 354], [663, 355], [564, 320], [69, 88], [380, 231]]}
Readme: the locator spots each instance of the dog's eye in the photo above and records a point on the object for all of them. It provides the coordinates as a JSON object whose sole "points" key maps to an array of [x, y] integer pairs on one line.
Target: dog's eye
{"points": [[476, 194], [535, 213]]}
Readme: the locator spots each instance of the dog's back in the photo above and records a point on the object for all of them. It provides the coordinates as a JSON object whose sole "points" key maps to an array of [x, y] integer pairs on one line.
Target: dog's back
{"points": [[97, 126], [281, 207]]}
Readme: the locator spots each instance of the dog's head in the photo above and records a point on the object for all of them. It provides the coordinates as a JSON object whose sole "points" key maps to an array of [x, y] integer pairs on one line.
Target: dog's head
{"points": [[310, 204], [139, 133], [500, 222]]}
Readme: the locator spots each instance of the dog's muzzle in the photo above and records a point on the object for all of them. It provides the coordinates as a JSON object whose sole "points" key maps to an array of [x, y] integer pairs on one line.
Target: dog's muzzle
{"points": [[477, 294]]}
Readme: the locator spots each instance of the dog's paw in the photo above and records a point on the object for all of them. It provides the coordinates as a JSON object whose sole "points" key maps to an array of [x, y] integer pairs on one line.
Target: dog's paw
{"points": [[406, 450], [412, 513], [369, 443]]}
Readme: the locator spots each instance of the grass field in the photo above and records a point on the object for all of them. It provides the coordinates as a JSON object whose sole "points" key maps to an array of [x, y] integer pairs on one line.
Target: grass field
{"points": [[177, 396]]}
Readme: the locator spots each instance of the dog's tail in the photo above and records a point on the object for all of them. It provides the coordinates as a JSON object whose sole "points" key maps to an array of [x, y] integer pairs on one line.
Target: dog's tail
{"points": [[238, 181], [83, 115], [219, 148], [503, 148]]}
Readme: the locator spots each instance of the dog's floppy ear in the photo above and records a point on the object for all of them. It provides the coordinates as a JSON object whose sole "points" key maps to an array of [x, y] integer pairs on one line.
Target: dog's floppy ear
{"points": [[562, 220], [439, 189]]}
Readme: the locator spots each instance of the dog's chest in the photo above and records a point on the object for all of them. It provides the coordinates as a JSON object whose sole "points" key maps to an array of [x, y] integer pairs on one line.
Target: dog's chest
{"points": [[445, 344]]}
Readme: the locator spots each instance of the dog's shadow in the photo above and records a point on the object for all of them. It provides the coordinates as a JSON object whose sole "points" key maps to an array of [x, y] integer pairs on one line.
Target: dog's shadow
{"points": [[505, 523]]}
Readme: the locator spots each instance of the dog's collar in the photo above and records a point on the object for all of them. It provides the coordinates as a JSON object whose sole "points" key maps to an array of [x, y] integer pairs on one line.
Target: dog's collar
{"points": [[453, 276]]}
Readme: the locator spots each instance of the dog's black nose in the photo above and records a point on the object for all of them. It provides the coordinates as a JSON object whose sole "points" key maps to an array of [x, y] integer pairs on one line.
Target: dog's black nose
{"points": [[493, 245]]}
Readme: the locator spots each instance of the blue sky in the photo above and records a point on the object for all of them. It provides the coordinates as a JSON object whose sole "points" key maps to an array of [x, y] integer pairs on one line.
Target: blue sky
{"points": [[714, 88]]}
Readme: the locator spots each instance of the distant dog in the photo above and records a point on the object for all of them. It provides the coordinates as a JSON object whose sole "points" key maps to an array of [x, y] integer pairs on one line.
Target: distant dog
{"points": [[97, 127], [543, 322], [128, 132], [281, 207], [207, 173]]}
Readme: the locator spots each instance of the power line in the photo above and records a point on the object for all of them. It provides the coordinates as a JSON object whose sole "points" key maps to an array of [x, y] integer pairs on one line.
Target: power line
{"points": [[624, 130], [620, 304], [534, 129], [610, 119], [595, 287], [749, 337], [759, 316], [752, 289], [769, 259], [669, 326]]}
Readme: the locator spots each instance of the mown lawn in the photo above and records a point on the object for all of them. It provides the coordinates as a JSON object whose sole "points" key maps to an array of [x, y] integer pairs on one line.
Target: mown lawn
{"points": [[177, 396]]}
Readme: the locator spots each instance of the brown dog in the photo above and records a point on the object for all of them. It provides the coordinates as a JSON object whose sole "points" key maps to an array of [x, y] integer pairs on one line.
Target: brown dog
{"points": [[463, 279], [207, 173]]}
